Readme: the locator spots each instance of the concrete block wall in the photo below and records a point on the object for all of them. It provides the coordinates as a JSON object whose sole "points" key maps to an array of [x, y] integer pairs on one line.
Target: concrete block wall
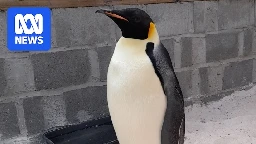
{"points": [[212, 45]]}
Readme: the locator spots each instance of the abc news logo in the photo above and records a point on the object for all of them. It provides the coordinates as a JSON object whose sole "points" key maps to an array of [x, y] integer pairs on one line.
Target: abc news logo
{"points": [[28, 29], [22, 28]]}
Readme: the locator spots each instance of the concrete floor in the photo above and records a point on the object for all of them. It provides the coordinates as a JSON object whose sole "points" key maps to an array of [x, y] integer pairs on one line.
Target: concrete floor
{"points": [[231, 120]]}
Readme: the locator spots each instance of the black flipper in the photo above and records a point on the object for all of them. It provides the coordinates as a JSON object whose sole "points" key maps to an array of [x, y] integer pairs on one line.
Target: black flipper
{"points": [[173, 129]]}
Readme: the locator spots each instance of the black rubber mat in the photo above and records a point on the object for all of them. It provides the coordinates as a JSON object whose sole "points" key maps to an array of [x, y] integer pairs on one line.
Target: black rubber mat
{"points": [[99, 131]]}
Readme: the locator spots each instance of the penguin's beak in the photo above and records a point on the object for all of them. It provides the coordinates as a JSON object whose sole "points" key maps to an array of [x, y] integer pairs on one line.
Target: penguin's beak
{"points": [[112, 14]]}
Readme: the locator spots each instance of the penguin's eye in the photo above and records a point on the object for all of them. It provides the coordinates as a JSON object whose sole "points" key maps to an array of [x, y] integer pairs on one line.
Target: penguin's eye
{"points": [[136, 19]]}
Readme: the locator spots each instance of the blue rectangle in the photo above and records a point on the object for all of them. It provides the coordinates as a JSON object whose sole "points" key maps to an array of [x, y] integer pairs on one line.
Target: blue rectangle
{"points": [[29, 29]]}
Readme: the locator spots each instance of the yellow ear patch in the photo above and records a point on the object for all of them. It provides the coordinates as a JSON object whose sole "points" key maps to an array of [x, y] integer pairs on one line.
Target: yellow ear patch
{"points": [[152, 34], [152, 30]]}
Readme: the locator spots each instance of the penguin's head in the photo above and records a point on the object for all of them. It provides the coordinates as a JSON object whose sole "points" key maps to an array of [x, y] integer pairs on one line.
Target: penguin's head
{"points": [[133, 22]]}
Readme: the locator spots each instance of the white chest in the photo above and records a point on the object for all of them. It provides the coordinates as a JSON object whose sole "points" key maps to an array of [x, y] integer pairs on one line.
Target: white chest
{"points": [[136, 99]]}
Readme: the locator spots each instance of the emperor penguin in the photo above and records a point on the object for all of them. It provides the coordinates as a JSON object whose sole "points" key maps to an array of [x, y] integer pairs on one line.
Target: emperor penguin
{"points": [[144, 97]]}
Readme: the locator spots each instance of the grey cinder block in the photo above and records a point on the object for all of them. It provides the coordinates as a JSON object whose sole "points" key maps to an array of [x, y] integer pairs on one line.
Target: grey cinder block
{"points": [[204, 81], [198, 50], [19, 75], [205, 16], [169, 45], [254, 71], [248, 40], [3, 29], [238, 74], [34, 116], [60, 69], [193, 51], [82, 26], [186, 52], [3, 81], [221, 46], [104, 55], [54, 111], [8, 121], [185, 81], [215, 76], [235, 13], [253, 41], [172, 19], [86, 103], [210, 80]]}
